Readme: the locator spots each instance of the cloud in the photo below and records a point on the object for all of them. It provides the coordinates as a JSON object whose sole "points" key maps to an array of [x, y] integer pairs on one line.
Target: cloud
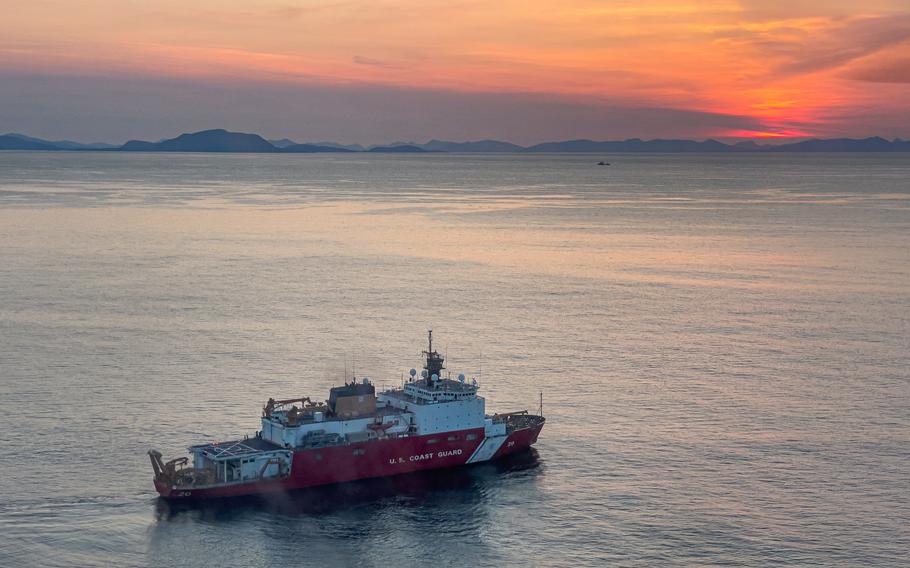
{"points": [[798, 47], [896, 71], [890, 67], [842, 44], [361, 60], [117, 109], [765, 10]]}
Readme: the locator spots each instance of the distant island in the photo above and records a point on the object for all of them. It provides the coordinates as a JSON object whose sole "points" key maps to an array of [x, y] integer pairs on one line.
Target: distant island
{"points": [[220, 140]]}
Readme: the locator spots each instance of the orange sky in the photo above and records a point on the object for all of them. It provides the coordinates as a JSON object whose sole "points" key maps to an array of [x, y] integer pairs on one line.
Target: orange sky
{"points": [[807, 67]]}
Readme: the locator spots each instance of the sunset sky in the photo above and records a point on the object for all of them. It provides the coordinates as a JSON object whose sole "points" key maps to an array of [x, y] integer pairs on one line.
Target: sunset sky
{"points": [[526, 71]]}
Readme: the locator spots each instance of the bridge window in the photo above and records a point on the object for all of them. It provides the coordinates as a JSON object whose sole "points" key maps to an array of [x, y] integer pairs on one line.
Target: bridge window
{"points": [[453, 438], [359, 452], [432, 441], [471, 437]]}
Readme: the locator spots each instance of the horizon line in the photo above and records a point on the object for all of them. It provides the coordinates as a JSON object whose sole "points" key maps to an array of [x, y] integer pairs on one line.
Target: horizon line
{"points": [[731, 142]]}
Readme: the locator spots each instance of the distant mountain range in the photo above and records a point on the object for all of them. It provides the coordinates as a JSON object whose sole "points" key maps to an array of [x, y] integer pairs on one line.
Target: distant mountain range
{"points": [[285, 142], [221, 140], [13, 141]]}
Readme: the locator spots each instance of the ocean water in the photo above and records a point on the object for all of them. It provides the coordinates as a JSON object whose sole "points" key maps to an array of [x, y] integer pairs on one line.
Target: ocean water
{"points": [[722, 344]]}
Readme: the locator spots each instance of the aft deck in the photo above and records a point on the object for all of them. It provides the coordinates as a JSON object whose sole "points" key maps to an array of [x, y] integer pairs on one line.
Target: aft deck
{"points": [[246, 447]]}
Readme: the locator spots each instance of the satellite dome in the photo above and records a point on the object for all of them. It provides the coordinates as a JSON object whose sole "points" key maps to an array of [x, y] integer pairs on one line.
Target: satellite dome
{"points": [[461, 377], [435, 377], [413, 372], [423, 373]]}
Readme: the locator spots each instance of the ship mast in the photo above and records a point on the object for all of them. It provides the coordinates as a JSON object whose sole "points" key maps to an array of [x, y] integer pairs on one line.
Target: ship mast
{"points": [[434, 364]]}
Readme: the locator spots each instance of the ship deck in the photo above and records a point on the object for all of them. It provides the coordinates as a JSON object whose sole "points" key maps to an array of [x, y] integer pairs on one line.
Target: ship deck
{"points": [[380, 412], [521, 421], [236, 448]]}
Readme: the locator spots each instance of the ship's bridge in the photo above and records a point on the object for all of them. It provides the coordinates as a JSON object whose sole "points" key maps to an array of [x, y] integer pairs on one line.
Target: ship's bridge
{"points": [[440, 405], [429, 391]]}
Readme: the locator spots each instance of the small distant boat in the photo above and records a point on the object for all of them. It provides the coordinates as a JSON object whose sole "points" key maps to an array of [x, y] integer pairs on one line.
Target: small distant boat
{"points": [[603, 163]]}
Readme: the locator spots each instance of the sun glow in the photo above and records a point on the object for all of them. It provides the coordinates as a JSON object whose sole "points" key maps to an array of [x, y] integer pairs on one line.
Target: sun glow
{"points": [[766, 134]]}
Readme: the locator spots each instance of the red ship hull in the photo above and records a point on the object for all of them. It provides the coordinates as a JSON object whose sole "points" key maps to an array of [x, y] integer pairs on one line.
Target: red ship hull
{"points": [[378, 458]]}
